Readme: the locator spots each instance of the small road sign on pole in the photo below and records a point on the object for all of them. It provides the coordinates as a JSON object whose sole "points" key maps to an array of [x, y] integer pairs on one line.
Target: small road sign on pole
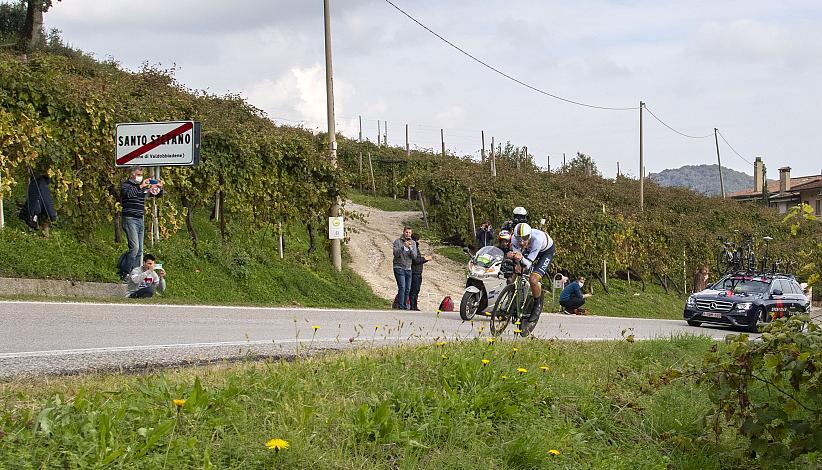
{"points": [[173, 143]]}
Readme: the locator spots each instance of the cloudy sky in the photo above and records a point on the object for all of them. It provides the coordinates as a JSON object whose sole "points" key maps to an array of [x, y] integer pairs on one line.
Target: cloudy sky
{"points": [[749, 67]]}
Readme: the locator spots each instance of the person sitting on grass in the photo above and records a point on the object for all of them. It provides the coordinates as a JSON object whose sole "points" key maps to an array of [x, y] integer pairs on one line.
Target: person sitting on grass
{"points": [[144, 280], [572, 297]]}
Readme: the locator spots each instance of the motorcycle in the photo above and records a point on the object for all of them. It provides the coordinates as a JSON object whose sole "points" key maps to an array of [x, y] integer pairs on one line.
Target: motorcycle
{"points": [[484, 282]]}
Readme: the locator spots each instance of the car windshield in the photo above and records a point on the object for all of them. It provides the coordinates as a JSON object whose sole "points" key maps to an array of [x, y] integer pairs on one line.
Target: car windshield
{"points": [[744, 285], [487, 256]]}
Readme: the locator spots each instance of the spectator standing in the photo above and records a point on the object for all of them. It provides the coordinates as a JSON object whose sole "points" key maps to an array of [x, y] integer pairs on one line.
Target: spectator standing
{"points": [[133, 192], [701, 279], [405, 251], [484, 236], [572, 297], [144, 280], [39, 207], [416, 273]]}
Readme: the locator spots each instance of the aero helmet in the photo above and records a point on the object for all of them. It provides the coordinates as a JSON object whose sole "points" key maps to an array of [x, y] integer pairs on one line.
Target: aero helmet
{"points": [[522, 231], [504, 235]]}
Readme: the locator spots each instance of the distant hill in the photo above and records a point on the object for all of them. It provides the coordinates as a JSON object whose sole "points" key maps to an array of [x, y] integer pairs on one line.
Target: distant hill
{"points": [[703, 179]]}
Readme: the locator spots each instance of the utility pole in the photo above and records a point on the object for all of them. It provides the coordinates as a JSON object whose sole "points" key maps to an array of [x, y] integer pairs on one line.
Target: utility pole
{"points": [[360, 116], [442, 140], [482, 154], [385, 135], [641, 163], [336, 252], [617, 169], [379, 134], [549, 163], [493, 160], [563, 160], [719, 162]]}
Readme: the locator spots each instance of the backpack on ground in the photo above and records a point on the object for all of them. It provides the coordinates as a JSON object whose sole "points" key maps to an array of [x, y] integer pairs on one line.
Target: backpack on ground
{"points": [[447, 305]]}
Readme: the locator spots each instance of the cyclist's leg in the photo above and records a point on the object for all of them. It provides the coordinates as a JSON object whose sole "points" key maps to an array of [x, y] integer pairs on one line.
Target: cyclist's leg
{"points": [[540, 269]]}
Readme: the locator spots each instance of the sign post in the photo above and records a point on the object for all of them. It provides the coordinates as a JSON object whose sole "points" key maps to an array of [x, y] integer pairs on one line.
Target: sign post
{"points": [[336, 228]]}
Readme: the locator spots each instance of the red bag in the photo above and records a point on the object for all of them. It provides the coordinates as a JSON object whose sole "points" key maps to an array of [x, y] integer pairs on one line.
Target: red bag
{"points": [[447, 305]]}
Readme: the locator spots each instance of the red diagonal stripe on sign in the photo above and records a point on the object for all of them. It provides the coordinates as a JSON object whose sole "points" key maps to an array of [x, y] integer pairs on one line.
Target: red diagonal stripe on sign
{"points": [[153, 144]]}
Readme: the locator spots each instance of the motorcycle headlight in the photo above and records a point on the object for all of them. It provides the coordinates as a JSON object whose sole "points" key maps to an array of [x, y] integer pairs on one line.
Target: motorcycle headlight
{"points": [[691, 302], [742, 306]]}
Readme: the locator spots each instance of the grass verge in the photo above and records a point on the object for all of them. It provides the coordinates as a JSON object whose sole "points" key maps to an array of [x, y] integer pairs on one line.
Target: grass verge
{"points": [[413, 407], [245, 269]]}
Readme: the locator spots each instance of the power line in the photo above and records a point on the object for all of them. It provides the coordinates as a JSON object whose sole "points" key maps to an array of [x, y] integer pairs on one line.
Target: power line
{"points": [[674, 130], [491, 67], [732, 148]]}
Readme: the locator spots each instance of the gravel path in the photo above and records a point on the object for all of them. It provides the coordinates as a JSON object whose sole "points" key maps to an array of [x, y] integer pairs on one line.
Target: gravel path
{"points": [[370, 247]]}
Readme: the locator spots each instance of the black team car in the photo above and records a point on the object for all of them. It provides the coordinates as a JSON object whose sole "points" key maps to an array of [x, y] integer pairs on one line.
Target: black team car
{"points": [[747, 300]]}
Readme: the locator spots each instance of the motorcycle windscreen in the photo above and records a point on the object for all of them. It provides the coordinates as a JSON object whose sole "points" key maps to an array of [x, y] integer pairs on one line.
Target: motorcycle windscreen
{"points": [[488, 256]]}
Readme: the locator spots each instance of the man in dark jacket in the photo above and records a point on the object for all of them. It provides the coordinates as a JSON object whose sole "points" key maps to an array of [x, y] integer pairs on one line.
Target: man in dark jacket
{"points": [[133, 192], [39, 206], [484, 236], [416, 272], [405, 251], [572, 297]]}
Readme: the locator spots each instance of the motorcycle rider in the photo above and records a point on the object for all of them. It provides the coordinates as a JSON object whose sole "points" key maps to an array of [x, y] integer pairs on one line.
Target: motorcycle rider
{"points": [[504, 241], [520, 216], [533, 247]]}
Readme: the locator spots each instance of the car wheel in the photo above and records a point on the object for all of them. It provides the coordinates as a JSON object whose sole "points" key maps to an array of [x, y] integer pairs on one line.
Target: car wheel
{"points": [[761, 316], [694, 323]]}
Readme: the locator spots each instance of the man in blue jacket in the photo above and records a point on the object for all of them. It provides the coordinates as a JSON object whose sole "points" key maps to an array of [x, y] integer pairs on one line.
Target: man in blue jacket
{"points": [[572, 297]]}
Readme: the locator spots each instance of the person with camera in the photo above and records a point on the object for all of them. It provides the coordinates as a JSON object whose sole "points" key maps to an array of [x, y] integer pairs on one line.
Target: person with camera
{"points": [[520, 216], [405, 252], [484, 236], [144, 280], [133, 192], [571, 298]]}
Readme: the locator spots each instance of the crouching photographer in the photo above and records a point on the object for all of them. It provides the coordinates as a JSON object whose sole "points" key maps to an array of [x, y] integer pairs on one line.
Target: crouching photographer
{"points": [[145, 280]]}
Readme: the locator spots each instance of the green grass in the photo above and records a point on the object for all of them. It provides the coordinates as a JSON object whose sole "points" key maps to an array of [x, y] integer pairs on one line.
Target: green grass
{"points": [[454, 253], [625, 300], [412, 407], [246, 269], [384, 203]]}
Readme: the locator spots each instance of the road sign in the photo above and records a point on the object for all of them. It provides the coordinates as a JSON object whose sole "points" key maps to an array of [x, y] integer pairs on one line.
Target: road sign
{"points": [[336, 228], [172, 143]]}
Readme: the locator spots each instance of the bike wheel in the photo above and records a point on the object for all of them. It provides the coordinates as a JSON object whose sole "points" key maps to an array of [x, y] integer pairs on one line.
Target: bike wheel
{"points": [[502, 312]]}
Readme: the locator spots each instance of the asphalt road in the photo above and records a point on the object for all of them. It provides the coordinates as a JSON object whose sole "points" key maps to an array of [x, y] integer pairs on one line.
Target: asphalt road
{"points": [[38, 338]]}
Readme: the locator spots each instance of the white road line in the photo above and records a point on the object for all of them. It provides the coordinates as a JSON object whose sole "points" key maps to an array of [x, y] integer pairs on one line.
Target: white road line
{"points": [[220, 307]]}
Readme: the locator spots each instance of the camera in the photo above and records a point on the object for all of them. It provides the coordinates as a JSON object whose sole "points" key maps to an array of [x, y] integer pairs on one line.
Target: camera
{"points": [[152, 181], [158, 267]]}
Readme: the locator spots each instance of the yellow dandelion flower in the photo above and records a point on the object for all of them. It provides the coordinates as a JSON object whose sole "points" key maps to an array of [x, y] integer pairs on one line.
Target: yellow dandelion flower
{"points": [[485, 362], [517, 323], [444, 356], [492, 340], [544, 368], [503, 377], [522, 370], [515, 349], [487, 314], [376, 327], [517, 331], [315, 327], [441, 343], [178, 402], [554, 452], [277, 444]]}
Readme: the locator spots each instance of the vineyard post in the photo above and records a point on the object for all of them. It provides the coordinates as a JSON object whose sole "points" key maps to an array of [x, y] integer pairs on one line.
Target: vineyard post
{"points": [[379, 134], [385, 133], [684, 273], [482, 154], [371, 169], [617, 169], [493, 160], [360, 116], [549, 163], [422, 206], [2, 216], [719, 162], [280, 230], [641, 163], [217, 206], [442, 141], [563, 159], [471, 212], [360, 140], [336, 248]]}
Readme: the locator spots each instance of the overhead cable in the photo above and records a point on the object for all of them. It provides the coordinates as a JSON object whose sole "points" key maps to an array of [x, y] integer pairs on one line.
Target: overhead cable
{"points": [[500, 72], [674, 130], [732, 148]]}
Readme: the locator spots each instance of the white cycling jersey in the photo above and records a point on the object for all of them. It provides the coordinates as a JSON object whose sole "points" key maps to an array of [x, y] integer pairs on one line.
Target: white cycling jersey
{"points": [[540, 241]]}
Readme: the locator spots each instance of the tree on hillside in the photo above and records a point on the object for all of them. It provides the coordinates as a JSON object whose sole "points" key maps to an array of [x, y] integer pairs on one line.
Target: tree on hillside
{"points": [[581, 164], [12, 19], [33, 34]]}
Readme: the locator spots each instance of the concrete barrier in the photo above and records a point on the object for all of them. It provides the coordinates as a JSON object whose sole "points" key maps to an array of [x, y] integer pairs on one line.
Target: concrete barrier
{"points": [[60, 288]]}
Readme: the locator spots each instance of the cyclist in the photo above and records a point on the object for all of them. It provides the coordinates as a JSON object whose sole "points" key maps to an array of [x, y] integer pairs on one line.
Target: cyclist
{"points": [[520, 217], [533, 248]]}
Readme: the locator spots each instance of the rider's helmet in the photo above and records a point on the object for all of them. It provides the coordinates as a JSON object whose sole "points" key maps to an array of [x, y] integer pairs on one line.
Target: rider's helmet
{"points": [[522, 231], [520, 215], [504, 236]]}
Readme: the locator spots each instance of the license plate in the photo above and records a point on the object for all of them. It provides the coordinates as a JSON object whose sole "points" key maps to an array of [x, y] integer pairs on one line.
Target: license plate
{"points": [[712, 314]]}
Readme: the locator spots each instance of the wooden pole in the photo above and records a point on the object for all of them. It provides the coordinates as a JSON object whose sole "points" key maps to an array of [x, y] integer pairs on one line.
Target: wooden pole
{"points": [[641, 163], [471, 212], [422, 206], [442, 140], [2, 215], [334, 210], [618, 169], [379, 134], [385, 133], [280, 230], [719, 162], [360, 173], [493, 160], [563, 160], [371, 168], [407, 160], [549, 163], [482, 154], [360, 128]]}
